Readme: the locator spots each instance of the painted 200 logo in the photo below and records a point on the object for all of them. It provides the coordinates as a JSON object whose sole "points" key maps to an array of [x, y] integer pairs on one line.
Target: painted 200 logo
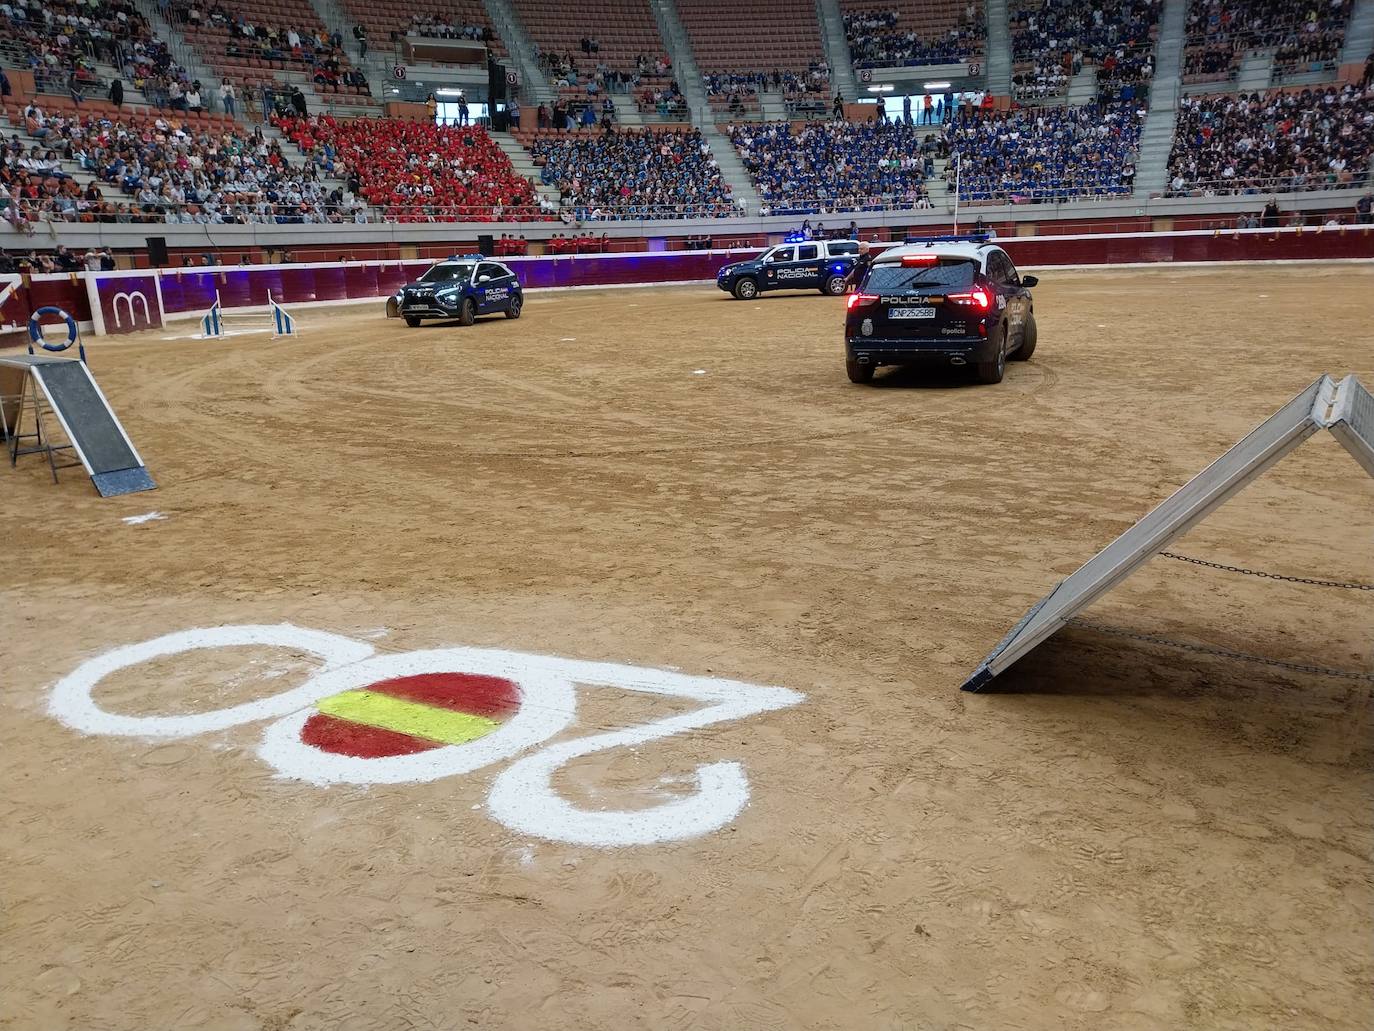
{"points": [[368, 718]]}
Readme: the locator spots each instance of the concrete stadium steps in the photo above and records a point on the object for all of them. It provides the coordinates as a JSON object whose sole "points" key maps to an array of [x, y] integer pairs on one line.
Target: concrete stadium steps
{"points": [[1082, 87], [1256, 71], [523, 163], [627, 112], [831, 19], [1359, 34], [685, 69], [774, 107], [376, 66], [1157, 136], [998, 58], [732, 169], [182, 51], [535, 88]]}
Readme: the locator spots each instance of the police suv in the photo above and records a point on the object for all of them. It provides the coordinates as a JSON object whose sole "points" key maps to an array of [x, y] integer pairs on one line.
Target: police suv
{"points": [[952, 300], [822, 265], [462, 287]]}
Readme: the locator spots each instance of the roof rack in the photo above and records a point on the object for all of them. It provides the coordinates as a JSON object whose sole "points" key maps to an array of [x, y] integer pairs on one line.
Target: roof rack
{"points": [[979, 238]]}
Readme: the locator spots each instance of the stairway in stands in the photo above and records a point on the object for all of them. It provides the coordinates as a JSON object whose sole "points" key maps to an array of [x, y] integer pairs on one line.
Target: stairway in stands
{"points": [[524, 164], [688, 78], [1157, 137], [998, 57], [837, 49], [1256, 69], [1359, 35], [534, 86]]}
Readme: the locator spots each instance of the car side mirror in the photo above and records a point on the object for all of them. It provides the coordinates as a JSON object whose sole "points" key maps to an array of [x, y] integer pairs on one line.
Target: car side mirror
{"points": [[1029, 281], [482, 279]]}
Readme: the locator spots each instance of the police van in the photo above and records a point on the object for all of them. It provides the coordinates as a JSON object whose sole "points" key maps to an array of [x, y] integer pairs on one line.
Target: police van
{"points": [[461, 287], [822, 265]]}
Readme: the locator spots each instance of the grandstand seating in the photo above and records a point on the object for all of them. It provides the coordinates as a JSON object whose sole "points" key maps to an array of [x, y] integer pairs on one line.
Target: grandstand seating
{"points": [[839, 166], [251, 42], [417, 171], [1303, 36], [1052, 42], [1273, 143], [659, 173], [98, 164], [913, 32], [753, 35], [623, 31], [393, 19], [1044, 155]]}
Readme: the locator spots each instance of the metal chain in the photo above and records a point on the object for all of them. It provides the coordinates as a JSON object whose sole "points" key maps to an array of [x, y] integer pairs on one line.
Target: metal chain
{"points": [[1225, 653], [1268, 576]]}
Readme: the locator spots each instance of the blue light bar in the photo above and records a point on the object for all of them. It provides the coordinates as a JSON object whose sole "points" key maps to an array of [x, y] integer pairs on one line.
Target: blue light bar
{"points": [[466, 257]]}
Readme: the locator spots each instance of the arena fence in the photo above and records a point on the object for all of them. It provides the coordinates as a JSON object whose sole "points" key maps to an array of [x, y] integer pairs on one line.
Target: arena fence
{"points": [[126, 301]]}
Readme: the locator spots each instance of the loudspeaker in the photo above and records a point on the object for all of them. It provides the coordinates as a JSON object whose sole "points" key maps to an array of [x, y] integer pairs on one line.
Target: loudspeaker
{"points": [[157, 251], [486, 243]]}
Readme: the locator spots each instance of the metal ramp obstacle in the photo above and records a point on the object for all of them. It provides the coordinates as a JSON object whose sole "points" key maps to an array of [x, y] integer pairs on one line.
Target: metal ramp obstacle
{"points": [[34, 386], [1345, 408]]}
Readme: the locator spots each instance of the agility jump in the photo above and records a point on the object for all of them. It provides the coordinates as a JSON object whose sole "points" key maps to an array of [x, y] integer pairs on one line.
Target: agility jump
{"points": [[278, 319]]}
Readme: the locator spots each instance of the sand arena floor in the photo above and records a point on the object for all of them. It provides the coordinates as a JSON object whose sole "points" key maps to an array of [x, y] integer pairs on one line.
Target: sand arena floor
{"points": [[1137, 838]]}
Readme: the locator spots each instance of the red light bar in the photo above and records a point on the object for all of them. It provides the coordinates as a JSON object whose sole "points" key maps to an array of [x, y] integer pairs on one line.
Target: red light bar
{"points": [[919, 259]]}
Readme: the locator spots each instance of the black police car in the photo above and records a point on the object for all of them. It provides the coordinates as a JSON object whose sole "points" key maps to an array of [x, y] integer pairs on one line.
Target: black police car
{"points": [[951, 300], [822, 265], [461, 287]]}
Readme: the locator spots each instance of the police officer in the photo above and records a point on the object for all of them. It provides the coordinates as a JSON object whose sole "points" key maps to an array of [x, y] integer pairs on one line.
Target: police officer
{"points": [[861, 267]]}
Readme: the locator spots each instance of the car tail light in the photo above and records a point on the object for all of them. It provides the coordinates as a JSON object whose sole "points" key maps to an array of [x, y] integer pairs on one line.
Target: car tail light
{"points": [[859, 300], [980, 300]]}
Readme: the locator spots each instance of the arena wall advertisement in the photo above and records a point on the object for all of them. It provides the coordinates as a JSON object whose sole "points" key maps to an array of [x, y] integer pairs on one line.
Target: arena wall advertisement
{"points": [[126, 301]]}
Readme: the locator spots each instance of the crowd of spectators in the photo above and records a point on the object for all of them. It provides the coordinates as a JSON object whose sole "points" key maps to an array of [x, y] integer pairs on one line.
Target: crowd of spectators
{"points": [[1052, 43], [147, 168], [1256, 143], [578, 243], [1045, 155], [622, 175], [318, 52], [563, 71], [416, 171], [436, 26], [511, 245], [837, 165], [1304, 34], [63, 259], [790, 83], [877, 39]]}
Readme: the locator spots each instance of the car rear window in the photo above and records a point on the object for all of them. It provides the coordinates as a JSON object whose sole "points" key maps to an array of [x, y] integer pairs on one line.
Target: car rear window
{"points": [[844, 248], [894, 278]]}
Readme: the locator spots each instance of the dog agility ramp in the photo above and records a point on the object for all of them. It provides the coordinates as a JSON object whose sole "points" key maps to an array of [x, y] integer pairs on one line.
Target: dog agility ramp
{"points": [[90, 423], [1347, 409]]}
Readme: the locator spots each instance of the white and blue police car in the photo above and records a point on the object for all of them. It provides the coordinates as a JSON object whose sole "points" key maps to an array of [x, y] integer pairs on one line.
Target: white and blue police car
{"points": [[822, 265], [461, 287]]}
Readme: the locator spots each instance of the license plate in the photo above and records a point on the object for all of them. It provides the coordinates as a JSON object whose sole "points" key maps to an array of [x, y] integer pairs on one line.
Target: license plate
{"points": [[911, 313]]}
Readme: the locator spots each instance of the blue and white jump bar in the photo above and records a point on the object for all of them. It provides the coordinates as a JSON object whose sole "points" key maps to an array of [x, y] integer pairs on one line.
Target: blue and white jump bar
{"points": [[213, 324]]}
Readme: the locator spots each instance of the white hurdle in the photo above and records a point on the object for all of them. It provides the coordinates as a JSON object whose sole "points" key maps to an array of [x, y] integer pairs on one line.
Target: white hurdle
{"points": [[282, 322]]}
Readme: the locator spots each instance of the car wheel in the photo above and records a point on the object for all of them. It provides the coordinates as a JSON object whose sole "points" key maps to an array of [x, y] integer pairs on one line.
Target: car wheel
{"points": [[513, 309], [993, 371], [746, 290], [835, 285], [1027, 347], [412, 321], [858, 373], [468, 314]]}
